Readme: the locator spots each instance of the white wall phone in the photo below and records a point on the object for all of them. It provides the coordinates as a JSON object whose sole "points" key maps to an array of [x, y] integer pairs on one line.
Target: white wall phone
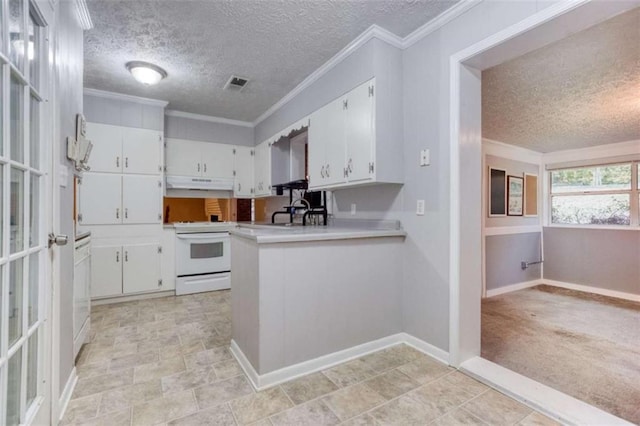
{"points": [[79, 148]]}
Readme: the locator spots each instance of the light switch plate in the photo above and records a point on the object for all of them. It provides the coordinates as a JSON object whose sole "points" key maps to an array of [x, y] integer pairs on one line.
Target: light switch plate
{"points": [[420, 208], [425, 157], [353, 208]]}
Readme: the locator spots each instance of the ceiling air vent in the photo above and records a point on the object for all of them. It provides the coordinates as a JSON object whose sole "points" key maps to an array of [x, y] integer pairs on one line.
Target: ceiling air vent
{"points": [[236, 83]]}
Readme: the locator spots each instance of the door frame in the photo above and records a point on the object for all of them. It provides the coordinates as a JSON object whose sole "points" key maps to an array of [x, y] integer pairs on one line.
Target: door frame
{"points": [[465, 256]]}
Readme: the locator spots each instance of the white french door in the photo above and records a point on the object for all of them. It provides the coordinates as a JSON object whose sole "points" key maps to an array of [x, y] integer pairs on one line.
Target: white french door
{"points": [[23, 189]]}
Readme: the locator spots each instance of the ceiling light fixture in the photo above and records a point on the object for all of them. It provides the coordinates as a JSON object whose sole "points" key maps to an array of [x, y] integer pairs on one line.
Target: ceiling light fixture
{"points": [[146, 73]]}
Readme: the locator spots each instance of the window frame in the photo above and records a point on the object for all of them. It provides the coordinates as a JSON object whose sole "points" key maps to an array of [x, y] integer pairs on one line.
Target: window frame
{"points": [[633, 193]]}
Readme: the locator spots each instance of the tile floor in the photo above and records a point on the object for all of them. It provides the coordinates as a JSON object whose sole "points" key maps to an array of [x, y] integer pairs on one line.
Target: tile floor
{"points": [[166, 361]]}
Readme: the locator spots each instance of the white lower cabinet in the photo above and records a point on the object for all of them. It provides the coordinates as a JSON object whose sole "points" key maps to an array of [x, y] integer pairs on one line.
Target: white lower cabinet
{"points": [[125, 269], [106, 271]]}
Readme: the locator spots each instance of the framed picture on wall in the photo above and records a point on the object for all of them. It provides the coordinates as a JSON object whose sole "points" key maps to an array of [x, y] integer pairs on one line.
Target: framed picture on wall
{"points": [[497, 192], [515, 191], [530, 195]]}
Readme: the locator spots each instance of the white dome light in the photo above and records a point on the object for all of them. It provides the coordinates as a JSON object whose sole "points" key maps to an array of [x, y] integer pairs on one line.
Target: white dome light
{"points": [[146, 73]]}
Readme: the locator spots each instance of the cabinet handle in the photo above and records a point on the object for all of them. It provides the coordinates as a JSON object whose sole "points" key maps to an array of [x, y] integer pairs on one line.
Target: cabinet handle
{"points": [[239, 187], [117, 213], [205, 167], [198, 166], [322, 172], [328, 171], [117, 161], [126, 213], [126, 162], [117, 256], [350, 166], [126, 256]]}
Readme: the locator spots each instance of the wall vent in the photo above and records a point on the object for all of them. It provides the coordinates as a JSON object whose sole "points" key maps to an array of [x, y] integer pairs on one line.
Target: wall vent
{"points": [[236, 83]]}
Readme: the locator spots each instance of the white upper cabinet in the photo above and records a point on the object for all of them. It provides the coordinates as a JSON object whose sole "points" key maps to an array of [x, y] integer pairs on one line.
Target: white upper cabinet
{"points": [[106, 154], [141, 199], [217, 160], [142, 151], [326, 144], [118, 149], [243, 183], [100, 199], [343, 146], [183, 158], [262, 169], [111, 199], [359, 133], [199, 159]]}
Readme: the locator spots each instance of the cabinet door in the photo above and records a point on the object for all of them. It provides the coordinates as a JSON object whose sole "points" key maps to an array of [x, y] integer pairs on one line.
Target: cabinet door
{"points": [[106, 154], [262, 169], [243, 187], [106, 271], [335, 144], [360, 133], [217, 160], [326, 144], [183, 158], [141, 268], [100, 199], [141, 150], [141, 199]]}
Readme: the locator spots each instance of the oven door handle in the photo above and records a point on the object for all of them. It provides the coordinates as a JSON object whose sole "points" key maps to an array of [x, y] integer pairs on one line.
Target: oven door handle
{"points": [[202, 237]]}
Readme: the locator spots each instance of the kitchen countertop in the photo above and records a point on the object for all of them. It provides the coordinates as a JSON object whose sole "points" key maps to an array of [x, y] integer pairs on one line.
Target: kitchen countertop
{"points": [[269, 234]]}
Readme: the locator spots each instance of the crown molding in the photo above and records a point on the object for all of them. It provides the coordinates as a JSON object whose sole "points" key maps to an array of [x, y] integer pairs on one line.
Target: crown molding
{"points": [[511, 152], [438, 22], [123, 97], [83, 15], [208, 118], [373, 31]]}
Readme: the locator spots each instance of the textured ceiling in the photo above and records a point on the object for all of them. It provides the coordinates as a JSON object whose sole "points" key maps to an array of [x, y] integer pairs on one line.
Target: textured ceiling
{"points": [[581, 91], [274, 43]]}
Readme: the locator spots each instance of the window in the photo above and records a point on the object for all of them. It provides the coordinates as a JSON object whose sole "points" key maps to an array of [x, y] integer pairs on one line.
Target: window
{"points": [[595, 195]]}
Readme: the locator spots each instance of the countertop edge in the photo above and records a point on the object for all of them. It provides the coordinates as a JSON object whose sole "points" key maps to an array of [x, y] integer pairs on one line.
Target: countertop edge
{"points": [[337, 235]]}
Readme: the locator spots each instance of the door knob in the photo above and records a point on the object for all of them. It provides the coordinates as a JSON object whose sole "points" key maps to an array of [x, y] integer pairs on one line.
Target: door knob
{"points": [[59, 240]]}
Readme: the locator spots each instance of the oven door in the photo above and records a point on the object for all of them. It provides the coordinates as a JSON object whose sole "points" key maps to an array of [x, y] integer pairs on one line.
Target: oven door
{"points": [[202, 253]]}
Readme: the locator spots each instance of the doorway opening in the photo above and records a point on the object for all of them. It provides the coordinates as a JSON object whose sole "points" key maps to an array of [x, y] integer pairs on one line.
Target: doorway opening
{"points": [[468, 239]]}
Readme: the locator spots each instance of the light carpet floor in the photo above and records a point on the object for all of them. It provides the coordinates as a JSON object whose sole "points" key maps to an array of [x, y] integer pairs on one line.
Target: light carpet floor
{"points": [[166, 361], [582, 344]]}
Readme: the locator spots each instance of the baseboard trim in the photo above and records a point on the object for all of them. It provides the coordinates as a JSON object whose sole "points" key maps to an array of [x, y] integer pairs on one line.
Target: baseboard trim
{"points": [[129, 298], [65, 396], [426, 348], [542, 398], [273, 378], [513, 287], [595, 290]]}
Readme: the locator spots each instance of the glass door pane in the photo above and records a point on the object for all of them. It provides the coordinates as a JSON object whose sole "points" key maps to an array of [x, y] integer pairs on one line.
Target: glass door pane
{"points": [[14, 382], [34, 132], [16, 241], [34, 216], [33, 47], [34, 286], [16, 33], [32, 368], [16, 272], [17, 120]]}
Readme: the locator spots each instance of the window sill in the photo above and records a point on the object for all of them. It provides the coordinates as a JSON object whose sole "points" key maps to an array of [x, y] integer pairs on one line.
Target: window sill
{"points": [[597, 227]]}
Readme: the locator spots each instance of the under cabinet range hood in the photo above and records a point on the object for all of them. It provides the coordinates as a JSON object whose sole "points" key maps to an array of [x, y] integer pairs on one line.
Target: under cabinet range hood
{"points": [[199, 183]]}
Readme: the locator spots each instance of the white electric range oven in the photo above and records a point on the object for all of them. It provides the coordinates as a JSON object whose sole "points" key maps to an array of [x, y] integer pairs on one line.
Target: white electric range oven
{"points": [[203, 256]]}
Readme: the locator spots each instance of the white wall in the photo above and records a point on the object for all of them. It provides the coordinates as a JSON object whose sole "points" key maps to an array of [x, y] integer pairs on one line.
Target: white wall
{"points": [[207, 131]]}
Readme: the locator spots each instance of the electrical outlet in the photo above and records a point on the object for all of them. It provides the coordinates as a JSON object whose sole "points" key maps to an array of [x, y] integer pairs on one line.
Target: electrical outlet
{"points": [[420, 208], [353, 208], [425, 157]]}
